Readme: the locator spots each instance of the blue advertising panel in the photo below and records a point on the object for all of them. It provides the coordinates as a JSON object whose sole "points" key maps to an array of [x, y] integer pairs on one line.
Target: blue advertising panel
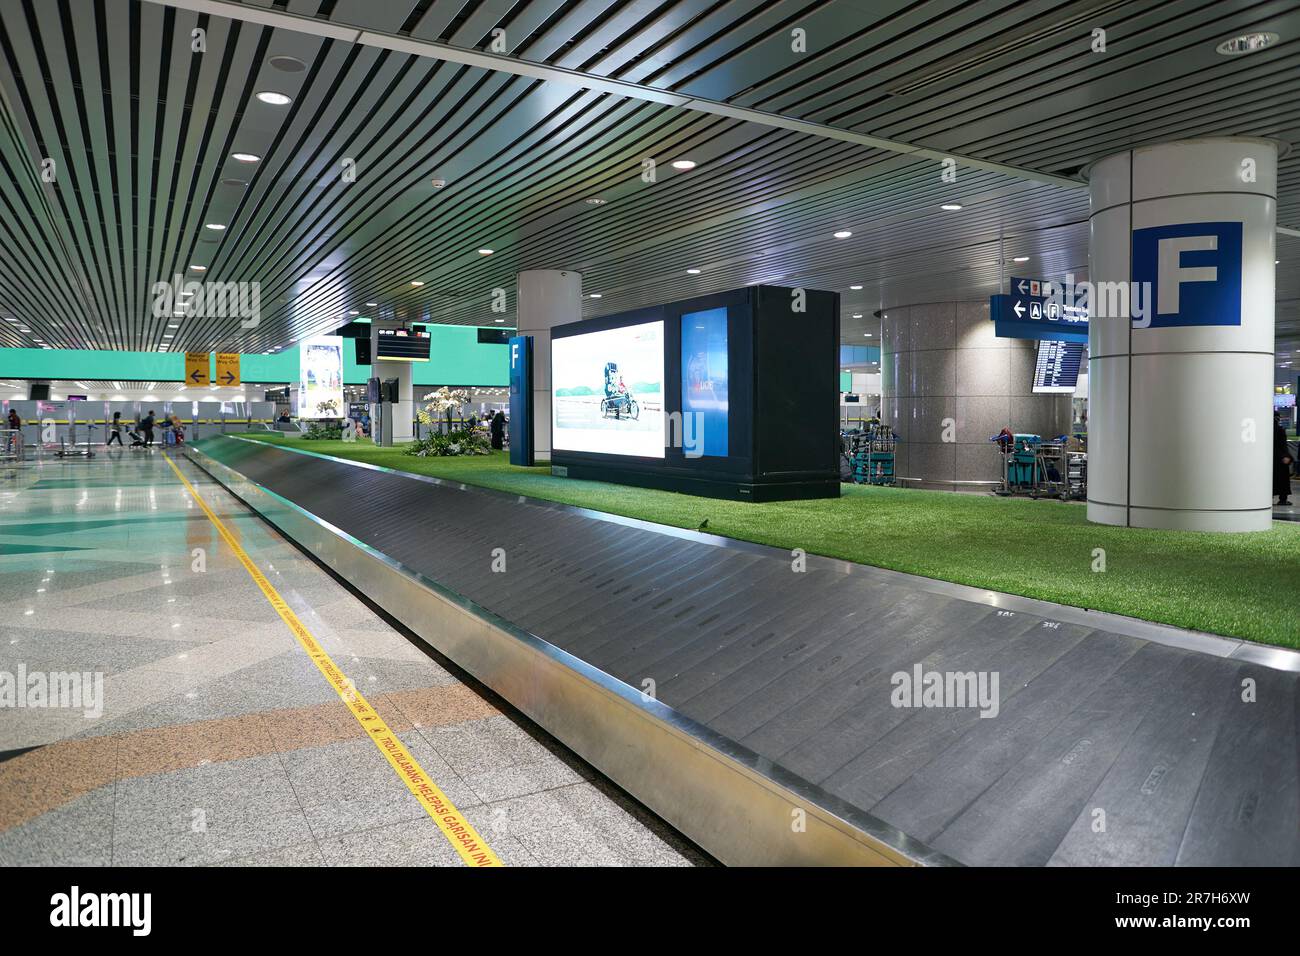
{"points": [[521, 400], [704, 379]]}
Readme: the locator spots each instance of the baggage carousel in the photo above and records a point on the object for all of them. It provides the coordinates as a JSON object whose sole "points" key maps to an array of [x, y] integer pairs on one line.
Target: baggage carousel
{"points": [[757, 708]]}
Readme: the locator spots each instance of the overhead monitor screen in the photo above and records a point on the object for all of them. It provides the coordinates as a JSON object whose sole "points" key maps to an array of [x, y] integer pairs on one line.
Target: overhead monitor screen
{"points": [[1279, 401], [704, 383], [403, 345], [1057, 368], [607, 391]]}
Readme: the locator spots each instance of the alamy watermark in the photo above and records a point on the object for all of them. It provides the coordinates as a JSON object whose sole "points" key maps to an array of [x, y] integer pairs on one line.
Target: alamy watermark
{"points": [[208, 300], [946, 689], [69, 690], [1132, 301]]}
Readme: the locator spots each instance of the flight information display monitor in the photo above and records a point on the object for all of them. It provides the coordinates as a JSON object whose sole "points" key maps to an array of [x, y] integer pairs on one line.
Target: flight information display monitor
{"points": [[402, 345], [1057, 368]]}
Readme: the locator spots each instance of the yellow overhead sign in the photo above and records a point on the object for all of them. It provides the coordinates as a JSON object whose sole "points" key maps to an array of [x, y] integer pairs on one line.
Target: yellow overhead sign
{"points": [[227, 368], [198, 368]]}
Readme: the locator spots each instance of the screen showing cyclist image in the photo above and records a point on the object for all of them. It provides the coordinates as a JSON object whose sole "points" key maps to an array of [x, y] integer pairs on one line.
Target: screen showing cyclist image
{"points": [[607, 391]]}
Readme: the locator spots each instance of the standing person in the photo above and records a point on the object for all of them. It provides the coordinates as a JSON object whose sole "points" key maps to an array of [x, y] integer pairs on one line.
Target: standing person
{"points": [[146, 428], [498, 430], [1281, 463], [115, 429], [16, 424]]}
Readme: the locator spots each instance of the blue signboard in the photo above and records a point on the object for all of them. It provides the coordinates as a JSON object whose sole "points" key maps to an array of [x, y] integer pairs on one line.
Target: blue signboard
{"points": [[1193, 271], [521, 400], [1033, 317]]}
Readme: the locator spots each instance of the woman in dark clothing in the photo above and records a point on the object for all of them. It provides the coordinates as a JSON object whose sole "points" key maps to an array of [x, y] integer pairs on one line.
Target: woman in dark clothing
{"points": [[498, 430], [115, 429], [146, 429], [1281, 464]]}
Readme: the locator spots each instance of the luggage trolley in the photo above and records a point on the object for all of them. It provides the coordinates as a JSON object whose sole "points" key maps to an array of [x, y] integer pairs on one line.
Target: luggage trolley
{"points": [[68, 448], [11, 445], [1021, 464], [873, 455]]}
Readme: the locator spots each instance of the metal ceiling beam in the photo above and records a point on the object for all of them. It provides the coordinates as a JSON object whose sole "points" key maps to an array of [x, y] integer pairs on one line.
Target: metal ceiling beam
{"points": [[588, 81]]}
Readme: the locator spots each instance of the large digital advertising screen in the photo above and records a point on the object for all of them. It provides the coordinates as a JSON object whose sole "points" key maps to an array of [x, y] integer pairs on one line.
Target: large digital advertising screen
{"points": [[607, 391], [704, 381], [320, 388]]}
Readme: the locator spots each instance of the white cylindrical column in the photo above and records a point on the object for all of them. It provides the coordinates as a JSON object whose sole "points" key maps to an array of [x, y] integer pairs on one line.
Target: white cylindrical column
{"points": [[1180, 347], [545, 298]]}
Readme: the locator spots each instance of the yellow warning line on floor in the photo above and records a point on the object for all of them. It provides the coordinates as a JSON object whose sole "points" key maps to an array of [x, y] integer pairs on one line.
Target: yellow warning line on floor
{"points": [[454, 826]]}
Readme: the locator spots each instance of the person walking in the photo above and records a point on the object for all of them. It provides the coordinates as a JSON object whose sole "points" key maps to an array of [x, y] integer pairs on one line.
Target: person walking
{"points": [[146, 429], [1281, 463], [115, 429]]}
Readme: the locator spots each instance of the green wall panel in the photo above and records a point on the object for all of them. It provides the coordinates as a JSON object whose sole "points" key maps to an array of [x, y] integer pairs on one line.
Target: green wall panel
{"points": [[88, 363], [455, 358]]}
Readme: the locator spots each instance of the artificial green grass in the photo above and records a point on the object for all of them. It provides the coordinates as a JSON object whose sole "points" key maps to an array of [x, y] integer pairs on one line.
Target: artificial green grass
{"points": [[1239, 585]]}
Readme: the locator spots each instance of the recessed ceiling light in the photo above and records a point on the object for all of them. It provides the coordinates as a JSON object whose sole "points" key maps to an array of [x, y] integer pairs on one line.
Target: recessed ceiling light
{"points": [[855, 287], [214, 226], [867, 334], [286, 64], [354, 312], [1020, 258], [1246, 43], [843, 234], [173, 326], [485, 252], [371, 305], [595, 201], [246, 157], [683, 164], [272, 98], [415, 282], [595, 295], [951, 206], [199, 268], [693, 272], [500, 320], [857, 315]]}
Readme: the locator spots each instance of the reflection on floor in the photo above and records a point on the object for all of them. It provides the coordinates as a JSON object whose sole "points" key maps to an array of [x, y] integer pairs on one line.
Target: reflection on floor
{"points": [[219, 741]]}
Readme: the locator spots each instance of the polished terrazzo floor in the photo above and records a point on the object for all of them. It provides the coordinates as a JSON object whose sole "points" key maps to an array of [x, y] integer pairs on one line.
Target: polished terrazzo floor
{"points": [[219, 741]]}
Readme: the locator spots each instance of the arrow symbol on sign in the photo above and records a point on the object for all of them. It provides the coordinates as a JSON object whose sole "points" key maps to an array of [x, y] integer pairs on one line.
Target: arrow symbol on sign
{"points": [[195, 375], [1018, 309], [1021, 287], [230, 377]]}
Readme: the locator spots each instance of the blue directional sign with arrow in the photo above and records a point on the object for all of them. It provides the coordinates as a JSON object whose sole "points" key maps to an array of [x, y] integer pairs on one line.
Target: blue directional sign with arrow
{"points": [[1030, 311]]}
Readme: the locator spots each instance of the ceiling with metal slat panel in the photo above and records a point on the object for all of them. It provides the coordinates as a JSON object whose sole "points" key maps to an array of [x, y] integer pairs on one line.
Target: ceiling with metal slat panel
{"points": [[119, 133]]}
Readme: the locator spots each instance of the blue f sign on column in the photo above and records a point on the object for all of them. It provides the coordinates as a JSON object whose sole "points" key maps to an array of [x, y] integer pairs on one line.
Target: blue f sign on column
{"points": [[1194, 271]]}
